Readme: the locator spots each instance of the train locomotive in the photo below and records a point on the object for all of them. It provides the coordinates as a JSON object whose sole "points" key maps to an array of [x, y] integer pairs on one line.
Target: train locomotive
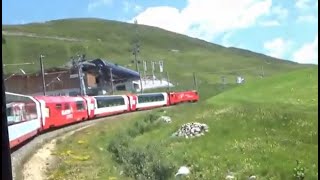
{"points": [[28, 116]]}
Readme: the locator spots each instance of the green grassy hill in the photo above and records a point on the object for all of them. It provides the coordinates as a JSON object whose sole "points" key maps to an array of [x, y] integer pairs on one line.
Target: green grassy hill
{"points": [[261, 128], [59, 40], [112, 40]]}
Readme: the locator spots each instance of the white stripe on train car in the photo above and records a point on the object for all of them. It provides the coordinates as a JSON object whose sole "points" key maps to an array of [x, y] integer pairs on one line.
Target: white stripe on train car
{"points": [[78, 99], [110, 109], [23, 128], [150, 104]]}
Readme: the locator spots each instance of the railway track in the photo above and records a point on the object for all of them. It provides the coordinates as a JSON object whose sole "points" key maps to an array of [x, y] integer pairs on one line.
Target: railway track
{"points": [[21, 155]]}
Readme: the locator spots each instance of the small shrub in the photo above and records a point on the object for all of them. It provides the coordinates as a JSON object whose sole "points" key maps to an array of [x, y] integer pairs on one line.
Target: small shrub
{"points": [[118, 147], [151, 118], [299, 171], [138, 162]]}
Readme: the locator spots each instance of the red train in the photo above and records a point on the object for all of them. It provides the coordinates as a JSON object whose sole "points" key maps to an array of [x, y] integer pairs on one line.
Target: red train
{"points": [[28, 116]]}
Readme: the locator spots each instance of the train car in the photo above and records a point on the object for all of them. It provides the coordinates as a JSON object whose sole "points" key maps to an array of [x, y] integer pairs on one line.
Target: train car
{"points": [[24, 119], [182, 97], [152, 100], [27, 116], [110, 105], [61, 110]]}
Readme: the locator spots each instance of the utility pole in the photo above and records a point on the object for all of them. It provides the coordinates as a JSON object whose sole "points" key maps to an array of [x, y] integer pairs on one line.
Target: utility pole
{"points": [[80, 78], [79, 64], [42, 73], [136, 50], [168, 81], [111, 80]]}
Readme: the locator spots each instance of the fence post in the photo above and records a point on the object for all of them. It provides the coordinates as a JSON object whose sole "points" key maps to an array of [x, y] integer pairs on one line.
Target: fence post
{"points": [[195, 81], [168, 81], [111, 80]]}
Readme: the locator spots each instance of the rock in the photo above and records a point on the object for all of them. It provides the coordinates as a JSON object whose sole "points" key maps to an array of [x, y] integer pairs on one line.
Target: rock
{"points": [[252, 177], [229, 177], [192, 130], [183, 170], [166, 119]]}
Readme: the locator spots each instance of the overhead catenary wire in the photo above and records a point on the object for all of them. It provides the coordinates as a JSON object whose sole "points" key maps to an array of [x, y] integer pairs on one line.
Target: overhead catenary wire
{"points": [[18, 64]]}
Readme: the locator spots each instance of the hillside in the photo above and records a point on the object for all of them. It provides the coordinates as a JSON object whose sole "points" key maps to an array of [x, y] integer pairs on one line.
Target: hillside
{"points": [[58, 40], [261, 128]]}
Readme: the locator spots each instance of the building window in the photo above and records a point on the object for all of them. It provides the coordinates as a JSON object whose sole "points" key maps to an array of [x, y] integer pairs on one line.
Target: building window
{"points": [[121, 88], [136, 86]]}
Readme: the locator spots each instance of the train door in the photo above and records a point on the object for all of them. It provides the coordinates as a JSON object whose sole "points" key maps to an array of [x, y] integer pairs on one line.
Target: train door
{"points": [[44, 113], [133, 102], [90, 106]]}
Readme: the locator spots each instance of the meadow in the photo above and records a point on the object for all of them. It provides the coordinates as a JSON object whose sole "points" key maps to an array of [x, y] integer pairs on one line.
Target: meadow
{"points": [[265, 128]]}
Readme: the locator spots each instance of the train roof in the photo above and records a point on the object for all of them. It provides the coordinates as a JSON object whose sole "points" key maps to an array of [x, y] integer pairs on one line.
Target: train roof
{"points": [[59, 99]]}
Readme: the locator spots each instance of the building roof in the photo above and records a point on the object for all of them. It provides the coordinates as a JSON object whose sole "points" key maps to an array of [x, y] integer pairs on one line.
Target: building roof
{"points": [[118, 72]]}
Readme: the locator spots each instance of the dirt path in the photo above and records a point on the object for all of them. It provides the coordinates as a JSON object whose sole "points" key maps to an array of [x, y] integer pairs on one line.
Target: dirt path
{"points": [[31, 164], [32, 35], [35, 168], [42, 160]]}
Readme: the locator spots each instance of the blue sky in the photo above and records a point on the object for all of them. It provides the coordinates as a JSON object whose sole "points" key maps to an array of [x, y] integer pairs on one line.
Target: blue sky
{"points": [[285, 29]]}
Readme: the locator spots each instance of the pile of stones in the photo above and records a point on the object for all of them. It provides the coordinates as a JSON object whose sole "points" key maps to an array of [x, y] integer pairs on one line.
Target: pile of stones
{"points": [[166, 119], [191, 130]]}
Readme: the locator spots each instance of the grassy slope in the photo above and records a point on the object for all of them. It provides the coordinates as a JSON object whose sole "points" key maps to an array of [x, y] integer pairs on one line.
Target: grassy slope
{"points": [[207, 59], [261, 128], [115, 45], [232, 138]]}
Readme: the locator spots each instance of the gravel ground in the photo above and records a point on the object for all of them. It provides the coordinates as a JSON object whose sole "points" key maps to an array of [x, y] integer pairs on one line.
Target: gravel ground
{"points": [[20, 156]]}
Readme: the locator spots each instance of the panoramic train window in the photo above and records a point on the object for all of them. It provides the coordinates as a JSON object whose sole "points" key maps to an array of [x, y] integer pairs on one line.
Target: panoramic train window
{"points": [[145, 98], [10, 115], [109, 101]]}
